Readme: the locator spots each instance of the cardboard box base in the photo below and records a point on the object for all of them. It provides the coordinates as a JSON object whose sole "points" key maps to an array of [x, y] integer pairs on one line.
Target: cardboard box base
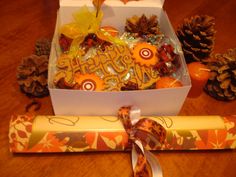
{"points": [[152, 102]]}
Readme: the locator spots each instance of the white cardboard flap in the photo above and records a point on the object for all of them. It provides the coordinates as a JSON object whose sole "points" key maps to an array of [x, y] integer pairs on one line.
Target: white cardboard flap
{"points": [[115, 14], [114, 3]]}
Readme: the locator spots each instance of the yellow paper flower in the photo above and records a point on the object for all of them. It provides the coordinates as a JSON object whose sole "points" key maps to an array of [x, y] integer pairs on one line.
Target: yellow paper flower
{"points": [[85, 22], [145, 54]]}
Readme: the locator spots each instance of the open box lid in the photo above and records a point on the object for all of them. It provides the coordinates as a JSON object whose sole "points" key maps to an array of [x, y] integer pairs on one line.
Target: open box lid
{"points": [[133, 3]]}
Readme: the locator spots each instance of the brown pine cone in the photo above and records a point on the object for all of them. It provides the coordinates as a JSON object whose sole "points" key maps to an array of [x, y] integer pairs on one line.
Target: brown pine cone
{"points": [[43, 47], [143, 26], [222, 83], [197, 36], [32, 75]]}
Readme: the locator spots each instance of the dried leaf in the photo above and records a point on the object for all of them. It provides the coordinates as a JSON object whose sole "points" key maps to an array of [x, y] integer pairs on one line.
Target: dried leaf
{"points": [[76, 140], [28, 128], [174, 144], [185, 134], [21, 134], [189, 142], [98, 4], [232, 119], [203, 135], [35, 138], [109, 143], [169, 137]]}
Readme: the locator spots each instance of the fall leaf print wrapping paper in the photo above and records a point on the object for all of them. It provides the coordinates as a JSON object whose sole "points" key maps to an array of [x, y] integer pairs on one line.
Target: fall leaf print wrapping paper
{"points": [[43, 134]]}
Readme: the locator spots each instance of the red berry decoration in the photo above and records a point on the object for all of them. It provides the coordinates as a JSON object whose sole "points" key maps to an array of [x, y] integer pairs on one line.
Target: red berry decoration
{"points": [[65, 43], [168, 60]]}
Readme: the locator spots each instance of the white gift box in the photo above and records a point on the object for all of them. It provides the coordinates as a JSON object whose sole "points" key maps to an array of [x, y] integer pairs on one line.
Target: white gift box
{"points": [[166, 101]]}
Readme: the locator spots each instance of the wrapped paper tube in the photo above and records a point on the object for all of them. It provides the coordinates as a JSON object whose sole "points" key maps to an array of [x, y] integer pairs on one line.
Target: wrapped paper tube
{"points": [[29, 133]]}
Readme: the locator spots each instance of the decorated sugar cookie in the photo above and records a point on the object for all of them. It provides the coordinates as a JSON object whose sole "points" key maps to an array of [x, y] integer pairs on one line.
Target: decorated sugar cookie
{"points": [[97, 58], [115, 66], [89, 82], [68, 66], [145, 54]]}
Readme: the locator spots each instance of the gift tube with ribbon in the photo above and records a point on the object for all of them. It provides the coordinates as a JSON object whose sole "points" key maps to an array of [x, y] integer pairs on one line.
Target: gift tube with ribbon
{"points": [[30, 133], [127, 131]]}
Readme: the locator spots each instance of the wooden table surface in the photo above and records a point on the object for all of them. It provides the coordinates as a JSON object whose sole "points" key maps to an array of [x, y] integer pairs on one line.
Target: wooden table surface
{"points": [[23, 22]]}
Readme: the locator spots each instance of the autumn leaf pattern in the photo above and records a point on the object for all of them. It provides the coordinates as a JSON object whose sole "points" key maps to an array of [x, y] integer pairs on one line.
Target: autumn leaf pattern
{"points": [[20, 132], [217, 140], [50, 143], [230, 122], [107, 140], [179, 140]]}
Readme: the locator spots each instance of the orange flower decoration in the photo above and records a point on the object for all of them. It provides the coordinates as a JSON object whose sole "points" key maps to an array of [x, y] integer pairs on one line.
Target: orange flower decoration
{"points": [[89, 82], [145, 54]]}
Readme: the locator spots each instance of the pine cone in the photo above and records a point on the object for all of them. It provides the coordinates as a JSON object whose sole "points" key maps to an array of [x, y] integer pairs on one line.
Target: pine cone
{"points": [[142, 26], [43, 47], [32, 75], [222, 83], [197, 36]]}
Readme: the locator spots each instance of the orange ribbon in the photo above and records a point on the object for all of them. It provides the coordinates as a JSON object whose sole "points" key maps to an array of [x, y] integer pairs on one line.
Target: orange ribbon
{"points": [[142, 133]]}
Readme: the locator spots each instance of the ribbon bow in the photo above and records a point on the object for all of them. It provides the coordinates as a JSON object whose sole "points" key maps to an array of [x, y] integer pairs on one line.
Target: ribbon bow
{"points": [[86, 22], [143, 133]]}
